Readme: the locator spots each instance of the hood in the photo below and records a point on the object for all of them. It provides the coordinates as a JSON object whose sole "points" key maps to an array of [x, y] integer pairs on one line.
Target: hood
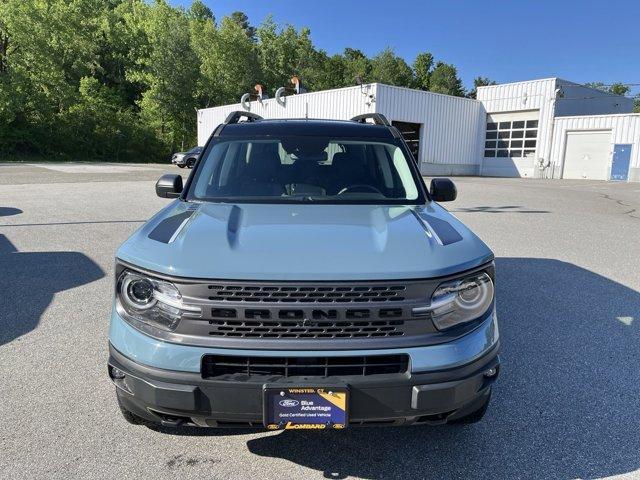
{"points": [[304, 242]]}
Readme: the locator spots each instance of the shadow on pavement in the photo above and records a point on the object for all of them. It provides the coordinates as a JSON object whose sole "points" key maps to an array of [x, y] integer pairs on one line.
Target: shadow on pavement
{"points": [[503, 209], [8, 211], [566, 405], [29, 280]]}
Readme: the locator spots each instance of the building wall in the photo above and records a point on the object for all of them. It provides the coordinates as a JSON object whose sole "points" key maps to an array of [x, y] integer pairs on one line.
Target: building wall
{"points": [[625, 129], [340, 104], [535, 95], [449, 136], [579, 100]]}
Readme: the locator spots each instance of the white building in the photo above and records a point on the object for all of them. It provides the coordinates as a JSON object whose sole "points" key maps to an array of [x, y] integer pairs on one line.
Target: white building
{"points": [[558, 129], [541, 128]]}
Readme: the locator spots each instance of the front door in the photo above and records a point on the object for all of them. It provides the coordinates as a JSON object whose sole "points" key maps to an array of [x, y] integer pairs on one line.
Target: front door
{"points": [[621, 162]]}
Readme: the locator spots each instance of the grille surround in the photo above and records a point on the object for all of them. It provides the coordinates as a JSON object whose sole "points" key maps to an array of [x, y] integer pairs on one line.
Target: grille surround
{"points": [[215, 366]]}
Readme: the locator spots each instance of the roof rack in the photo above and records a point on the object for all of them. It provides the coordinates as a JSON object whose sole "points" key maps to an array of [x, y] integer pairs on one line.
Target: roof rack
{"points": [[234, 117], [378, 119]]}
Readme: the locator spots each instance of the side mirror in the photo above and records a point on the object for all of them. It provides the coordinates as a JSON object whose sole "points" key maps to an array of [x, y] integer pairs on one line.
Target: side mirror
{"points": [[169, 186], [443, 190]]}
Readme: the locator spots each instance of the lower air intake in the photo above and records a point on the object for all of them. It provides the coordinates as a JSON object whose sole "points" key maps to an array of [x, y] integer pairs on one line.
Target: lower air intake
{"points": [[324, 367]]}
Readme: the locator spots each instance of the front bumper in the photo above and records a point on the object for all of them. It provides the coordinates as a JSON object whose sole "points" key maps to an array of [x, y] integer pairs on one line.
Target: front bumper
{"points": [[447, 389]]}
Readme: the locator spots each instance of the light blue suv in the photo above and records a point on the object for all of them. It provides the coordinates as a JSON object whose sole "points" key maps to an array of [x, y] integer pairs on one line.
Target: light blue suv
{"points": [[304, 278]]}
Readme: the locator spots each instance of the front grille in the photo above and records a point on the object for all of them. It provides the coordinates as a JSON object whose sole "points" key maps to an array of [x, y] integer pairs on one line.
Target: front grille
{"points": [[305, 315], [306, 329], [307, 293], [324, 367]]}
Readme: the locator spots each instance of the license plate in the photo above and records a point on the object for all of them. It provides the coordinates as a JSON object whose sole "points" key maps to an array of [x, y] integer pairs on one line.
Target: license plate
{"points": [[305, 408]]}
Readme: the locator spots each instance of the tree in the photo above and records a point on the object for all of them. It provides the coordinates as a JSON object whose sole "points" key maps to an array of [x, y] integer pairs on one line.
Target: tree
{"points": [[356, 64], [200, 12], [169, 73], [285, 53], [4, 48], [242, 20], [614, 89], [387, 67], [228, 63], [120, 79], [422, 67], [444, 79], [479, 82]]}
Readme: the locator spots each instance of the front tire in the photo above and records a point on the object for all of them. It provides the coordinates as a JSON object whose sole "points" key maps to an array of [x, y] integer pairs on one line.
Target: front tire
{"points": [[474, 416], [180, 166], [132, 418]]}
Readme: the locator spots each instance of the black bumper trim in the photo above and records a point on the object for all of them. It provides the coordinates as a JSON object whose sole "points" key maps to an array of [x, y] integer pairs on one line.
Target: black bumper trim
{"points": [[395, 399]]}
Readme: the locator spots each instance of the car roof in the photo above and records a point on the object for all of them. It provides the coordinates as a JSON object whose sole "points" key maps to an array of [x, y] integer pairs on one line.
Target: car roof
{"points": [[310, 127]]}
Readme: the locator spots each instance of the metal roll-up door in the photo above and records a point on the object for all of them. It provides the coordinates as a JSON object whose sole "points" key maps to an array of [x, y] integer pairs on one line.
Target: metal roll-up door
{"points": [[587, 155]]}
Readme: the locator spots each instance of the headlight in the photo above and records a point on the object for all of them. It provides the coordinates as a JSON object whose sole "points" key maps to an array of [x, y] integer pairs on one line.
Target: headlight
{"points": [[151, 301], [461, 301]]}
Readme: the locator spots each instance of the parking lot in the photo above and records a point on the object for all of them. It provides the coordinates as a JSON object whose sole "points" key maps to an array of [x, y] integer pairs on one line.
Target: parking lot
{"points": [[566, 406]]}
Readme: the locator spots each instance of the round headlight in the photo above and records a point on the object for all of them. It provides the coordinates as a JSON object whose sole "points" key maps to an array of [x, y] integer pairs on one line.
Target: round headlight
{"points": [[151, 301], [461, 301], [137, 291], [140, 291]]}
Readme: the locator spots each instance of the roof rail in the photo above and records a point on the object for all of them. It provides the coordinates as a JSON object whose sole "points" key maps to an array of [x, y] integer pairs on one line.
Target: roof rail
{"points": [[234, 117], [378, 119]]}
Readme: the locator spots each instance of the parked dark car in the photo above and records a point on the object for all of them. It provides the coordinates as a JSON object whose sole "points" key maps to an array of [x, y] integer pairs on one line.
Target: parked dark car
{"points": [[186, 159]]}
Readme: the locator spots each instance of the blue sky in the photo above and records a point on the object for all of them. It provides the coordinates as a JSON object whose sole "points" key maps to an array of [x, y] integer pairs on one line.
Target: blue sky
{"points": [[581, 41]]}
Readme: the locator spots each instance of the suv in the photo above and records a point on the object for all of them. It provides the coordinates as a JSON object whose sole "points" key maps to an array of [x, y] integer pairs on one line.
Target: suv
{"points": [[304, 277], [186, 159]]}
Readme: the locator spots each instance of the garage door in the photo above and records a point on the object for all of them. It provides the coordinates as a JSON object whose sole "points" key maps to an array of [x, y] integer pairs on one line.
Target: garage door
{"points": [[587, 155]]}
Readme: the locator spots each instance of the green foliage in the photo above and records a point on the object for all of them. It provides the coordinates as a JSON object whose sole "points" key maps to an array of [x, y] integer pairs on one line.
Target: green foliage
{"points": [[387, 67], [241, 19], [169, 74], [422, 67], [120, 80], [356, 65], [479, 82], [228, 63], [444, 79]]}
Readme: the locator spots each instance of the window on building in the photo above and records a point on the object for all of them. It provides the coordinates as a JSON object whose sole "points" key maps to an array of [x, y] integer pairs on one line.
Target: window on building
{"points": [[511, 139]]}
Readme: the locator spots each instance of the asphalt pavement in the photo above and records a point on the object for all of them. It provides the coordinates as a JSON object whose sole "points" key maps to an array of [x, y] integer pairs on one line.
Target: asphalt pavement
{"points": [[567, 404]]}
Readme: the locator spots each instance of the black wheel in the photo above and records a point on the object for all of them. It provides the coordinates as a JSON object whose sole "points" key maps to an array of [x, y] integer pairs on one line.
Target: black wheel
{"points": [[132, 418], [180, 166], [475, 416]]}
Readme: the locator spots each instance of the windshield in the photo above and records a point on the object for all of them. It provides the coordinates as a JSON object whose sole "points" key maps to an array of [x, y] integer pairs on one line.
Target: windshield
{"points": [[305, 169]]}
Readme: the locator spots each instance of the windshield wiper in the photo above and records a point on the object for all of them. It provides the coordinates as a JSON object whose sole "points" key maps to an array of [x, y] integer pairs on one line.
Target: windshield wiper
{"points": [[299, 198]]}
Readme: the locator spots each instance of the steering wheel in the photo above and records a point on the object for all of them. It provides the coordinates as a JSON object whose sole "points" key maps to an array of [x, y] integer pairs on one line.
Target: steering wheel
{"points": [[359, 188]]}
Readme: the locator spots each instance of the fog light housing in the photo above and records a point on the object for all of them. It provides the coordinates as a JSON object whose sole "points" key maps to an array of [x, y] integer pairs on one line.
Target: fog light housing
{"points": [[492, 372], [116, 373]]}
